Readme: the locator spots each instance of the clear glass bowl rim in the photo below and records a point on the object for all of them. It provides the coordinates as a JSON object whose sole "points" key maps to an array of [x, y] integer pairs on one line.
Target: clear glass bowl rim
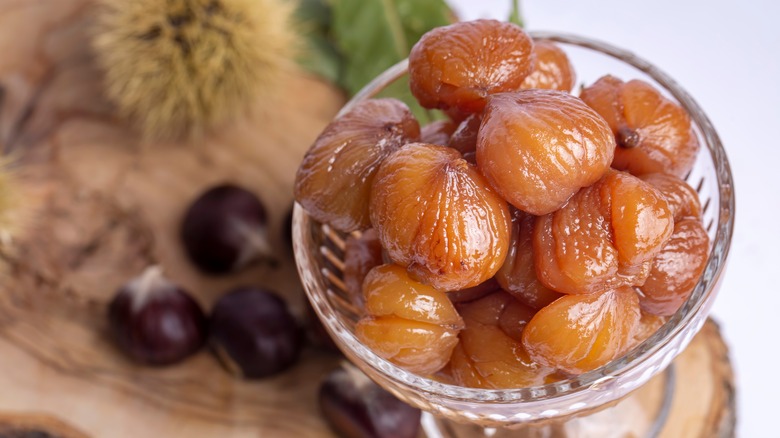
{"points": [[700, 301]]}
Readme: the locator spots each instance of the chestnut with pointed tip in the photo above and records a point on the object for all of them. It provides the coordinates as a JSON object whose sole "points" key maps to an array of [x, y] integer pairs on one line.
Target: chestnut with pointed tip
{"points": [[438, 217], [225, 230], [155, 321]]}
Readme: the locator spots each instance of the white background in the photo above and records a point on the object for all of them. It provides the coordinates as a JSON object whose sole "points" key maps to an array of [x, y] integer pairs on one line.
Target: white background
{"points": [[727, 55]]}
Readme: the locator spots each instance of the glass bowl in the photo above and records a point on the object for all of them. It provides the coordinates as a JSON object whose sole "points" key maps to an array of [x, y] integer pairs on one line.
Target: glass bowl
{"points": [[319, 255]]}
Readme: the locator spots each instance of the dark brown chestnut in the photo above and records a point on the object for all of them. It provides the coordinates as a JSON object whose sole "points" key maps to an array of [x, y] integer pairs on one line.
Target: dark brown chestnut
{"points": [[356, 407], [155, 321], [225, 230], [253, 333]]}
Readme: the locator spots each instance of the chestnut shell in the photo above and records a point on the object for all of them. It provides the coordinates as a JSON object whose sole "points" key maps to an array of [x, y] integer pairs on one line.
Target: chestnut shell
{"points": [[156, 327], [356, 407], [225, 229], [253, 333]]}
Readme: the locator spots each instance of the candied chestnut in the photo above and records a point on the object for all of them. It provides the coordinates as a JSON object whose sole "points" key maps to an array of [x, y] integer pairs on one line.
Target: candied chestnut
{"points": [[538, 147], [653, 134], [490, 353], [474, 292], [155, 321], [418, 347], [458, 66], [334, 180], [253, 333], [437, 132], [676, 269], [410, 324], [389, 291], [605, 236], [464, 139], [462, 371], [356, 407], [552, 69], [648, 325], [225, 230], [438, 217], [579, 333], [518, 275], [682, 198]]}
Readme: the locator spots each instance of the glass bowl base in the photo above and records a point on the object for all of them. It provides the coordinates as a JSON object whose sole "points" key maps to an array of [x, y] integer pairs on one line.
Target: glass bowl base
{"points": [[694, 397]]}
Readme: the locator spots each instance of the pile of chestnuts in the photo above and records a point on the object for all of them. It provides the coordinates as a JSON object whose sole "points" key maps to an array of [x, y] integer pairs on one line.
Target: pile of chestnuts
{"points": [[250, 329]]}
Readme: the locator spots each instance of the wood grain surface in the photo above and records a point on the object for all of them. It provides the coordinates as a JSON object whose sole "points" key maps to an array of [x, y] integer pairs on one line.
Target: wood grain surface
{"points": [[101, 205]]}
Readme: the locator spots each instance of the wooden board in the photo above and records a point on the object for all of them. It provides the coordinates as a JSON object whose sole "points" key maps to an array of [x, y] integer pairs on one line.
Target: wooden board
{"points": [[105, 205]]}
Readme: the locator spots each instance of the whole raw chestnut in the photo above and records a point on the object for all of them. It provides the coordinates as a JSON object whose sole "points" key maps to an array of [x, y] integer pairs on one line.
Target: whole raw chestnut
{"points": [[253, 333], [356, 407], [225, 230], [155, 321]]}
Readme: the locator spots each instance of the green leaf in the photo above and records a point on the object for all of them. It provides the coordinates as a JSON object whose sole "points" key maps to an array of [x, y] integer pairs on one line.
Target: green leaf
{"points": [[319, 54], [315, 15], [400, 90], [515, 15], [375, 34], [321, 58]]}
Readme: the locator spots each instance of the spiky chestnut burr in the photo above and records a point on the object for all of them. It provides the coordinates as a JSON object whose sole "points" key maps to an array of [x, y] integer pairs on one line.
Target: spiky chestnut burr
{"points": [[177, 67]]}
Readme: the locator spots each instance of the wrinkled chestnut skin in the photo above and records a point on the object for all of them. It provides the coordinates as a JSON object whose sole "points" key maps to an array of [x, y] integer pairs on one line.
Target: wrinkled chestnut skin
{"points": [[474, 292], [356, 407], [676, 269], [552, 69], [579, 333], [464, 138], [419, 347], [335, 177], [518, 275], [682, 198], [648, 325], [408, 323], [389, 291], [538, 147], [253, 333], [653, 134], [490, 353], [156, 322], [605, 236], [438, 217], [458, 66], [437, 132]]}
